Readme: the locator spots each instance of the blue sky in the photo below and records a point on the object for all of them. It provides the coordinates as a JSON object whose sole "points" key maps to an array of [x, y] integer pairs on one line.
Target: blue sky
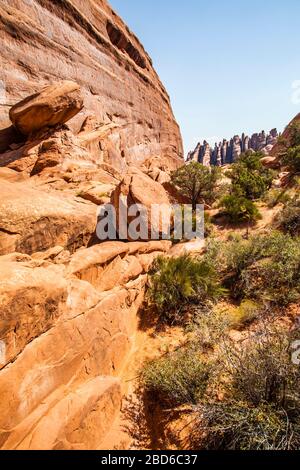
{"points": [[228, 65]]}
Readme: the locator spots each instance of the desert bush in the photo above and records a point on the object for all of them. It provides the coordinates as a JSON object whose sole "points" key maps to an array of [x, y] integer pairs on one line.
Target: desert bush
{"points": [[276, 196], [176, 379], [289, 218], [275, 279], [262, 371], [239, 426], [239, 209], [290, 154], [212, 325], [176, 281], [244, 314], [292, 158], [245, 396], [196, 182], [208, 225], [250, 179], [260, 409], [264, 268]]}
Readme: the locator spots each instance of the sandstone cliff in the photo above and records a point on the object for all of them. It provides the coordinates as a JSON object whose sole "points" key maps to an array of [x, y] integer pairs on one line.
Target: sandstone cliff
{"points": [[81, 109], [43, 41]]}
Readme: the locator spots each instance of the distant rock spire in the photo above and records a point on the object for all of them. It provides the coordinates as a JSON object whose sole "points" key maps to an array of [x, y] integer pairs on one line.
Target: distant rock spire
{"points": [[226, 152]]}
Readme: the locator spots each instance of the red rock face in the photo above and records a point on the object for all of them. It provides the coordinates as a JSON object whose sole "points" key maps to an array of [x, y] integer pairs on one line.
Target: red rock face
{"points": [[44, 41]]}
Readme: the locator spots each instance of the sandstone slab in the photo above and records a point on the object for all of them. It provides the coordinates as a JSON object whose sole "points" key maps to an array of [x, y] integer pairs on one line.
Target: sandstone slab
{"points": [[31, 220], [55, 104]]}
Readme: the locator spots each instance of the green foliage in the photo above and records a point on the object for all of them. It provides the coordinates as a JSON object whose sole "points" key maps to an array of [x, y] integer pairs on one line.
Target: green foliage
{"points": [[262, 371], [262, 396], [208, 225], [196, 182], [290, 156], [176, 379], [176, 281], [265, 267], [291, 159], [276, 196], [244, 314], [250, 179], [238, 426], [239, 209], [289, 218]]}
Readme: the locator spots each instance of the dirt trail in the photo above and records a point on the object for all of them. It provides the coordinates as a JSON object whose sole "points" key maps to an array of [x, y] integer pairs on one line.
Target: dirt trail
{"points": [[148, 344]]}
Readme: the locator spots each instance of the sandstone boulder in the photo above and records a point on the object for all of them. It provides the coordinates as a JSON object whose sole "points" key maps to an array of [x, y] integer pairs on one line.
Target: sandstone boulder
{"points": [[113, 264], [270, 162], [138, 188], [54, 105]]}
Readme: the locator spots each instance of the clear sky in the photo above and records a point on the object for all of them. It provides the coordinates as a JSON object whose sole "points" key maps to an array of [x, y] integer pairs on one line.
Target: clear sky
{"points": [[228, 65]]}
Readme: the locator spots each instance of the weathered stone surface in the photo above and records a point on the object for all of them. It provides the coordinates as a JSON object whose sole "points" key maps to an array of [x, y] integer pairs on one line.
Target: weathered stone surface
{"points": [[97, 193], [67, 332], [113, 263], [10, 175], [31, 300], [57, 149], [55, 104], [138, 188], [77, 422], [31, 220], [45, 41]]}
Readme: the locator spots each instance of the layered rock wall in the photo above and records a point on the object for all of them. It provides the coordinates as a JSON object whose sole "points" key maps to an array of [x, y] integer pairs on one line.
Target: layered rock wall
{"points": [[43, 41]]}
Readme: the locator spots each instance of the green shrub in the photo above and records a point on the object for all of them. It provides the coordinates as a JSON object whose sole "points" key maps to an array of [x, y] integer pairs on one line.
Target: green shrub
{"points": [[276, 196], [260, 409], [250, 179], [265, 267], [238, 426], [177, 379], [245, 313], [290, 156], [289, 218], [239, 209], [176, 281], [196, 182]]}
